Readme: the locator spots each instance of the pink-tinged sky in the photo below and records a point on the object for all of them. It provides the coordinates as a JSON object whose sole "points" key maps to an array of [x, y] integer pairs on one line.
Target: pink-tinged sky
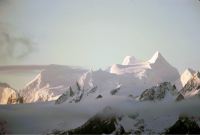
{"points": [[98, 33]]}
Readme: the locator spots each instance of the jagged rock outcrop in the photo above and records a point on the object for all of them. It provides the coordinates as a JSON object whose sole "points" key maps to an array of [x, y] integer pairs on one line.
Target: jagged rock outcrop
{"points": [[65, 96], [8, 95], [158, 92], [75, 94], [192, 88], [15, 99]]}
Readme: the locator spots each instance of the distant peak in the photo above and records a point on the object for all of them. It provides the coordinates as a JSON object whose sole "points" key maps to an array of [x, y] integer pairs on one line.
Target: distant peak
{"points": [[157, 55], [129, 60]]}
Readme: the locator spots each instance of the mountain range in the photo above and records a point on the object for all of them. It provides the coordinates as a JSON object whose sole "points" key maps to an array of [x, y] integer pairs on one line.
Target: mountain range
{"points": [[134, 83], [131, 77]]}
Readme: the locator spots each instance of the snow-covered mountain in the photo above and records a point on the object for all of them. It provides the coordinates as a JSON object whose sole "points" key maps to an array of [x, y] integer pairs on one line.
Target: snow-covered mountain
{"points": [[51, 83], [8, 95], [157, 68], [80, 96], [130, 78]]}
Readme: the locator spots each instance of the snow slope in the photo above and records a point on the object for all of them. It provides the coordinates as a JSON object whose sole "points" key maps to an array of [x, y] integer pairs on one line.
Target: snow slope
{"points": [[51, 83]]}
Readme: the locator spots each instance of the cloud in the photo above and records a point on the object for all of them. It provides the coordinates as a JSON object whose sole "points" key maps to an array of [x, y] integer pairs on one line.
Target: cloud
{"points": [[14, 46]]}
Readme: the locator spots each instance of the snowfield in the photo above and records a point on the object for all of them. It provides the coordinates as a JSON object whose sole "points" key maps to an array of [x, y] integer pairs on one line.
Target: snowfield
{"points": [[42, 118]]}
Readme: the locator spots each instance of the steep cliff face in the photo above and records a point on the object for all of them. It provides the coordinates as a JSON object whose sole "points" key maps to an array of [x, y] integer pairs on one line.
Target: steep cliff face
{"points": [[192, 87], [8, 95]]}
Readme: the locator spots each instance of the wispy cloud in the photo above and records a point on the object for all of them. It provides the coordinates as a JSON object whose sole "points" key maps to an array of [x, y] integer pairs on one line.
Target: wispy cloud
{"points": [[14, 46]]}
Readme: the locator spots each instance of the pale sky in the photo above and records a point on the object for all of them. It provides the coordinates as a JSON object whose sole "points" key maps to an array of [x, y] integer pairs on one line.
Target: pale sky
{"points": [[99, 33]]}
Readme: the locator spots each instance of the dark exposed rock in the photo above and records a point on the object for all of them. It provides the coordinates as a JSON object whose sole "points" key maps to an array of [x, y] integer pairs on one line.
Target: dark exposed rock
{"points": [[78, 86], [192, 85], [78, 97], [105, 122], [71, 95], [96, 125], [180, 97], [92, 90], [184, 125], [15, 99], [148, 94], [62, 98], [99, 96], [157, 92], [114, 91]]}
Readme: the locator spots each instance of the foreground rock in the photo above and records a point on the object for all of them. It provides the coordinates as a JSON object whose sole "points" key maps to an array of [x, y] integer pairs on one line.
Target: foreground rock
{"points": [[105, 122], [184, 125]]}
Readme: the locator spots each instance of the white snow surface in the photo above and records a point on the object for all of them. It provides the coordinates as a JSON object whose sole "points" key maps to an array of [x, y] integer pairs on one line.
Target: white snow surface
{"points": [[129, 60], [184, 78], [51, 83], [156, 69]]}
